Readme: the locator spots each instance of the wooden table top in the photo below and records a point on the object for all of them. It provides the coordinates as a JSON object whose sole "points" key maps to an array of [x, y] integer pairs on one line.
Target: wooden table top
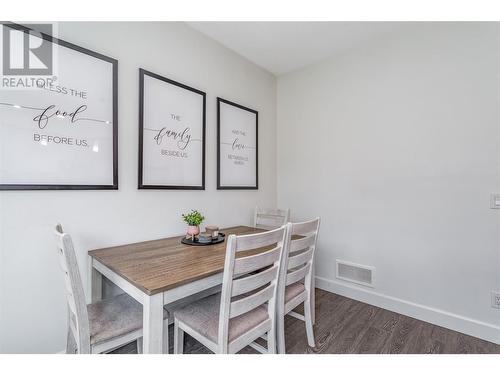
{"points": [[159, 265]]}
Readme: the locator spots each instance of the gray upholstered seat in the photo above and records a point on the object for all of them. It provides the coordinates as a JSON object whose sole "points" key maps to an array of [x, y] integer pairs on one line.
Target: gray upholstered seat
{"points": [[293, 291], [114, 317], [203, 316]]}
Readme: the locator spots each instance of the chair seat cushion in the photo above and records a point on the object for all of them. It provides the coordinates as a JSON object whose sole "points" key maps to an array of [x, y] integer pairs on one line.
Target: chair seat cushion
{"points": [[293, 290], [203, 317], [183, 302], [114, 317]]}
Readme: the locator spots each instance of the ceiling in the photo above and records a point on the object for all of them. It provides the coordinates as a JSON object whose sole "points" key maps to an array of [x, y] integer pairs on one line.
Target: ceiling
{"points": [[282, 47]]}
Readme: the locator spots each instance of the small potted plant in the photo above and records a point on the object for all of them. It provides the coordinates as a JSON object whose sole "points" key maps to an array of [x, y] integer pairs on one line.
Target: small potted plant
{"points": [[193, 220]]}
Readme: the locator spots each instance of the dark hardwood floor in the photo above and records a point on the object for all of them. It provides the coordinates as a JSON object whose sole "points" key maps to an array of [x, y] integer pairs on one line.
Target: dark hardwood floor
{"points": [[344, 325]]}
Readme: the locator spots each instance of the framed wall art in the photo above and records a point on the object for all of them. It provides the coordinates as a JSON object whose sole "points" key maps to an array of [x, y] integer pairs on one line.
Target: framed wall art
{"points": [[237, 146], [171, 134], [59, 124]]}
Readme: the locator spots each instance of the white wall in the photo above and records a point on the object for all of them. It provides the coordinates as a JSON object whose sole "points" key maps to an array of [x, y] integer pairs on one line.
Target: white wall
{"points": [[32, 305], [396, 145]]}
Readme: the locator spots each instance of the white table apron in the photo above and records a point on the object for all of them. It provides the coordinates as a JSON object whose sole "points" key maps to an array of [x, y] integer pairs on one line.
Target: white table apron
{"points": [[152, 304]]}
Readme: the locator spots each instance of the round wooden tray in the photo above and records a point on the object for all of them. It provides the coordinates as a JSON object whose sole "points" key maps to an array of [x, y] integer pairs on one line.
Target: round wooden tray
{"points": [[188, 241]]}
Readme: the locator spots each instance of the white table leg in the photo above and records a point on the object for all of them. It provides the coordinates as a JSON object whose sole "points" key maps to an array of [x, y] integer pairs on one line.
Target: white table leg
{"points": [[153, 324], [95, 282]]}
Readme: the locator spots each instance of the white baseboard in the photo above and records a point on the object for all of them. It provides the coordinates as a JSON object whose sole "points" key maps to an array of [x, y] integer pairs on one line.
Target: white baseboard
{"points": [[438, 317]]}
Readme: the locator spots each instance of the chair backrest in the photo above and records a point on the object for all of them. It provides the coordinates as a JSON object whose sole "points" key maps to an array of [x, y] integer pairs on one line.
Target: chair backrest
{"points": [[270, 218], [297, 263], [250, 277], [78, 320]]}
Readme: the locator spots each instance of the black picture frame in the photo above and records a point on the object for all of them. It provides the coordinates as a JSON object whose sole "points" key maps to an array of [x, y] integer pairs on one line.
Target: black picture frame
{"points": [[114, 63], [141, 185], [227, 187]]}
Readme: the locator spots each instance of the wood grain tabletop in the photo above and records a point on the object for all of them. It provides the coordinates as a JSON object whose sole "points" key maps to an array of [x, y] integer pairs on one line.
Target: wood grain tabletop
{"points": [[159, 265]]}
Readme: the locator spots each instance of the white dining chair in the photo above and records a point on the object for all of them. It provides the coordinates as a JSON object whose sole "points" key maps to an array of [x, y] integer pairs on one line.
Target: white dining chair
{"points": [[296, 284], [101, 326], [246, 307], [265, 218]]}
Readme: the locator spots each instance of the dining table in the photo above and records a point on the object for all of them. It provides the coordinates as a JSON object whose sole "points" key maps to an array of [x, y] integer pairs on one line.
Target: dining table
{"points": [[159, 272]]}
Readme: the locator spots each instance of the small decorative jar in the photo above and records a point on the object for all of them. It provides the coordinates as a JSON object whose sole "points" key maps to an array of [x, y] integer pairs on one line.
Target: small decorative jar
{"points": [[213, 230], [205, 238]]}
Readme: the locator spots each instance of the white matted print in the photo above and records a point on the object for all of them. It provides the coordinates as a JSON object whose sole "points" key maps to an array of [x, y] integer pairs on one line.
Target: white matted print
{"points": [[171, 134], [237, 149], [60, 131]]}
